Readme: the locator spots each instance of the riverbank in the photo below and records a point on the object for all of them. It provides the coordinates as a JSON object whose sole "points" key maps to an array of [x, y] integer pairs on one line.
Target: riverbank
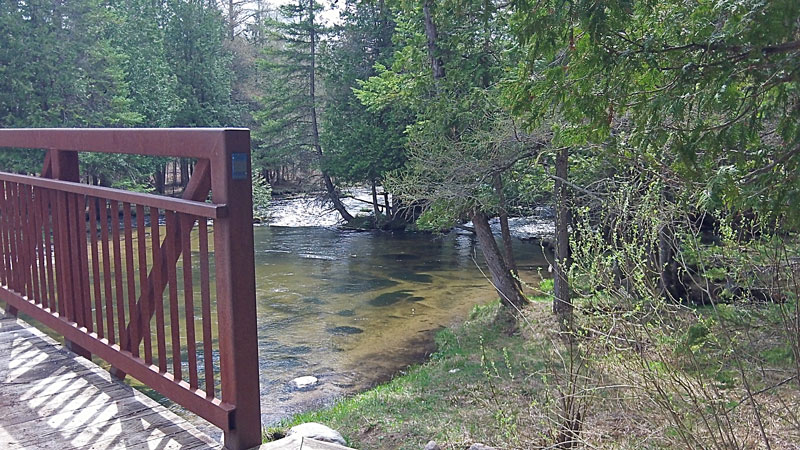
{"points": [[514, 391]]}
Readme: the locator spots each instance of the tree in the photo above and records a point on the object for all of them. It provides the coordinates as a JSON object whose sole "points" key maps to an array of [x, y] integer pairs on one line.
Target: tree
{"points": [[362, 146], [702, 96], [711, 91], [462, 142], [194, 33], [78, 76], [289, 120]]}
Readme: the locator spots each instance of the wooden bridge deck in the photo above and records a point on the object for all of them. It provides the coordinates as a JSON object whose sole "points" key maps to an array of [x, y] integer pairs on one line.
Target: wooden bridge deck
{"points": [[52, 399]]}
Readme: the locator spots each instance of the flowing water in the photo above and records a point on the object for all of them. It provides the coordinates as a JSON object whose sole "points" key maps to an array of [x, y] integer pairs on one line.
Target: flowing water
{"points": [[353, 308]]}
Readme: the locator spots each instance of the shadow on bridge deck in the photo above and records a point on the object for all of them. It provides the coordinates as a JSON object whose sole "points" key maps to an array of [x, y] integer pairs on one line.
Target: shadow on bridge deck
{"points": [[51, 398]]}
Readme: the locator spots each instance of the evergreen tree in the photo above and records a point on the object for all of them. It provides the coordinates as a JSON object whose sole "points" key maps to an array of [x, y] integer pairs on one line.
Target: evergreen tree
{"points": [[289, 120], [194, 34], [362, 146]]}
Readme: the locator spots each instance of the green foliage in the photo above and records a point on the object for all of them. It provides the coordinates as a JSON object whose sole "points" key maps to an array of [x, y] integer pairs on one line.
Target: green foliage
{"points": [[460, 135], [193, 40], [288, 65], [361, 145], [105, 63], [706, 91], [262, 196]]}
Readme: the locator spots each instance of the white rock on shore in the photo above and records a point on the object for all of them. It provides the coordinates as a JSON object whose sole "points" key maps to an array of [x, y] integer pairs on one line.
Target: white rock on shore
{"points": [[318, 431]]}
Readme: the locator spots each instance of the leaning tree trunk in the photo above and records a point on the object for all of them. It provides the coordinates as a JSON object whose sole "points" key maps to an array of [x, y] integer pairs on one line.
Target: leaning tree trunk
{"points": [[562, 303], [505, 231], [329, 187], [505, 283], [375, 210]]}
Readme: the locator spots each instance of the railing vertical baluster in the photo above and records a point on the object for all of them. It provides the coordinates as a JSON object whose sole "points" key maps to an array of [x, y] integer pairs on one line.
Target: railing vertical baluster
{"points": [[8, 222], [31, 269], [144, 325], [188, 295], [94, 208], [76, 297], [205, 296], [3, 249], [63, 272], [22, 258], [133, 343], [120, 297], [34, 238], [109, 299], [21, 244], [83, 256], [12, 237], [6, 234], [174, 319], [49, 219], [22, 279], [39, 233], [159, 293]]}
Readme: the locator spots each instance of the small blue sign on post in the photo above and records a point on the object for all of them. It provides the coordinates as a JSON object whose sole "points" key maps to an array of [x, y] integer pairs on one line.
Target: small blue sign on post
{"points": [[239, 166]]}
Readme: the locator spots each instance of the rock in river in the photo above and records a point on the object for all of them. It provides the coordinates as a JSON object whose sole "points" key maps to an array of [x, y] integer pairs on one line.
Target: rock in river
{"points": [[389, 298], [345, 330], [305, 382]]}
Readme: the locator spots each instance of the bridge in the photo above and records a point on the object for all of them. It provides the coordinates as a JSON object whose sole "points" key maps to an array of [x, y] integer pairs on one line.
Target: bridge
{"points": [[162, 289]]}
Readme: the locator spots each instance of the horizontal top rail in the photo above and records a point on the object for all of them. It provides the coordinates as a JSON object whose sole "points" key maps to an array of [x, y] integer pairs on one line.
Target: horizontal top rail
{"points": [[184, 142], [199, 209]]}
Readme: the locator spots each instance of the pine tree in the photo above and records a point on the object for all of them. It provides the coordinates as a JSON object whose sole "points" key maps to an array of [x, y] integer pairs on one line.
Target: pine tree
{"points": [[289, 120], [362, 146]]}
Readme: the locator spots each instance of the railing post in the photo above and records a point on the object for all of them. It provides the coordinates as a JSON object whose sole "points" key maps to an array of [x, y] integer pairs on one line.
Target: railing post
{"points": [[64, 166], [235, 280]]}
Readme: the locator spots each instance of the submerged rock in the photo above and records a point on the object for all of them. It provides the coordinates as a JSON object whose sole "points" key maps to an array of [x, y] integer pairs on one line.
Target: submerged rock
{"points": [[416, 277], [389, 298], [345, 330], [318, 431], [305, 382], [314, 301]]}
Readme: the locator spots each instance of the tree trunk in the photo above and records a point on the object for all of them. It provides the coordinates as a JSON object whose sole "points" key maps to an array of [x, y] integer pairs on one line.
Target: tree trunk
{"points": [[329, 187], [232, 19], [437, 66], [184, 163], [506, 285], [508, 251], [375, 210], [158, 179], [562, 303]]}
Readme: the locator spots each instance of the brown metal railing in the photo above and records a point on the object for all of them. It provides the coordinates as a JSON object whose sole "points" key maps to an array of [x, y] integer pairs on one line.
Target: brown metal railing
{"points": [[128, 276]]}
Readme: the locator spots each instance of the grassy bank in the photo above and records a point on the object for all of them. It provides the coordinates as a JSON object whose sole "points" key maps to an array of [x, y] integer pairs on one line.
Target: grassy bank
{"points": [[674, 387], [466, 393]]}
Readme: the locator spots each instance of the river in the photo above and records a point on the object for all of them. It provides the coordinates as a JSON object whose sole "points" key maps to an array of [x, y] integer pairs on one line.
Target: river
{"points": [[353, 308]]}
